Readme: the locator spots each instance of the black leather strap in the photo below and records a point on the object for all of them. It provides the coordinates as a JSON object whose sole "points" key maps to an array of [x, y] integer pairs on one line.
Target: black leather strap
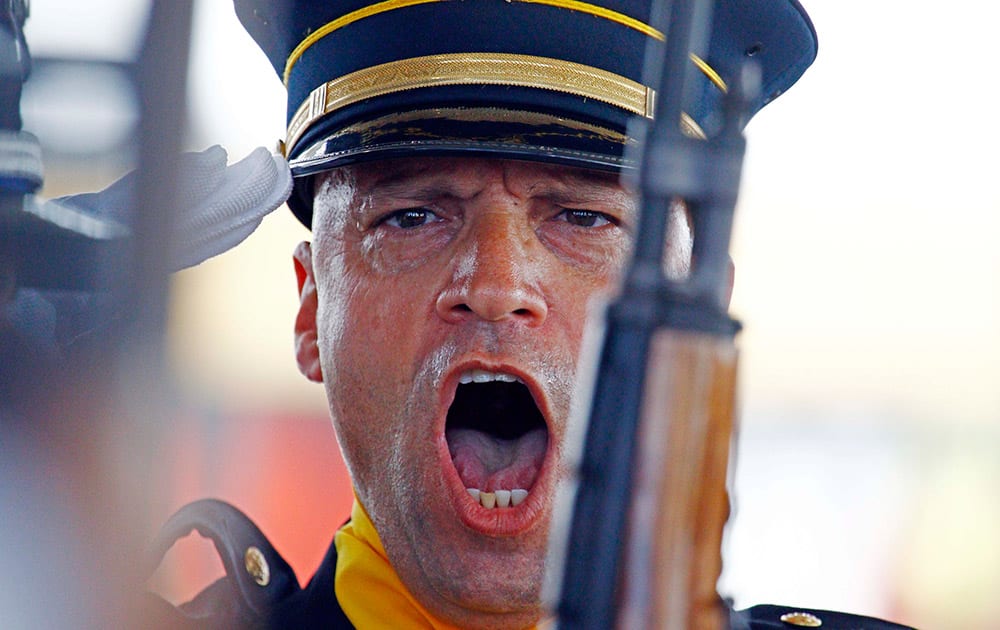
{"points": [[233, 534]]}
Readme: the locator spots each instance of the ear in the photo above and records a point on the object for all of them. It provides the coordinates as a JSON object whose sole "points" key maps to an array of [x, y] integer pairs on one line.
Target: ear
{"points": [[306, 345]]}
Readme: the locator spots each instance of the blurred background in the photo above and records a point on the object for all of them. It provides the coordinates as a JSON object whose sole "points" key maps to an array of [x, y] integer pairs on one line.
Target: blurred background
{"points": [[868, 469]]}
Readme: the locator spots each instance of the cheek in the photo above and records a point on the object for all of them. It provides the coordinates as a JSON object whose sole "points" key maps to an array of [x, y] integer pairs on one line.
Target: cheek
{"points": [[590, 261], [331, 286], [368, 335], [581, 291], [389, 255], [352, 299], [356, 391]]}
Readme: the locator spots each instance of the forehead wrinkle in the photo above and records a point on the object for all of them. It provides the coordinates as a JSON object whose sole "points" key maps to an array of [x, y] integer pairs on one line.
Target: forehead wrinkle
{"points": [[405, 190], [427, 178], [573, 184], [389, 171]]}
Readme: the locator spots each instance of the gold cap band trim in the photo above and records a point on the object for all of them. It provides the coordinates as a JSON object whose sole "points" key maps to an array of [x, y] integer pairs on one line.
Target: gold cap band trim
{"points": [[470, 69], [391, 5]]}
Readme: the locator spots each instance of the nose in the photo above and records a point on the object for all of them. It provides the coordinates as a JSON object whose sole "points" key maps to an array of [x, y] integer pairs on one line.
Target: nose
{"points": [[496, 274]]}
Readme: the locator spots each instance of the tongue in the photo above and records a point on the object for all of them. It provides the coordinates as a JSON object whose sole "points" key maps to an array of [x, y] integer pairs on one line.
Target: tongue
{"points": [[490, 463]]}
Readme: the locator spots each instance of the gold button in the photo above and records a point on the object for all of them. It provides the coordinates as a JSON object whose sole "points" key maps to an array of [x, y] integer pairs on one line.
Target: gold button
{"points": [[803, 619], [256, 565]]}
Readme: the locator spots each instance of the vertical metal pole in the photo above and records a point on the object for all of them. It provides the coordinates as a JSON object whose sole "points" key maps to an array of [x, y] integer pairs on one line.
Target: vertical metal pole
{"points": [[140, 408]]}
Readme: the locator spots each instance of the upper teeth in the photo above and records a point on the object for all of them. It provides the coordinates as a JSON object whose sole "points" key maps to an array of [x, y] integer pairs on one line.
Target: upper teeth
{"points": [[483, 376]]}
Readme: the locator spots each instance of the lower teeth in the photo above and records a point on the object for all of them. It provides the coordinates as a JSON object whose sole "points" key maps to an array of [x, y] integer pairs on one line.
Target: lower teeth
{"points": [[498, 498]]}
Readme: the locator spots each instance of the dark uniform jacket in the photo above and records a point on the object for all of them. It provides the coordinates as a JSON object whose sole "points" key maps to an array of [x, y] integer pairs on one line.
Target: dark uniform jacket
{"points": [[260, 589]]}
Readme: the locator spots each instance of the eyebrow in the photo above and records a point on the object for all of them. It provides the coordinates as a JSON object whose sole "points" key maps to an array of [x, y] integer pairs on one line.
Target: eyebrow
{"points": [[576, 175]]}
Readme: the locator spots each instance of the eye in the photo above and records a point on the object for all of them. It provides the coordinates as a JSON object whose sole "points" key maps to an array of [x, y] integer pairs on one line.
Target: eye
{"points": [[584, 218], [409, 218]]}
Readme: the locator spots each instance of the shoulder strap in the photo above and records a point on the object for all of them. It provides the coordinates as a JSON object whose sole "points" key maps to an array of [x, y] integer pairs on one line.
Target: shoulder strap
{"points": [[260, 578], [785, 618]]}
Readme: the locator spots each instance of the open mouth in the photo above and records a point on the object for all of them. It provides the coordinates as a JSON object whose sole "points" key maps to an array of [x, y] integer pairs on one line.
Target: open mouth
{"points": [[497, 438]]}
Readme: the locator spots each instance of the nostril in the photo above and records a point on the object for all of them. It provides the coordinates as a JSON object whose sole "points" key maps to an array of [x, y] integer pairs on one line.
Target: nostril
{"points": [[491, 297]]}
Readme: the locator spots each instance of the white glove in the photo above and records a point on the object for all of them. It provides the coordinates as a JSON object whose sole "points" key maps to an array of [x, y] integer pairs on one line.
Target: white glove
{"points": [[218, 206]]}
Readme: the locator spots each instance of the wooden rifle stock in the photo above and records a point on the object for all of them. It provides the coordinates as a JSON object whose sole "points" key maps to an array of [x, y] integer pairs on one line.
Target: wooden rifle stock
{"points": [[679, 502], [649, 496]]}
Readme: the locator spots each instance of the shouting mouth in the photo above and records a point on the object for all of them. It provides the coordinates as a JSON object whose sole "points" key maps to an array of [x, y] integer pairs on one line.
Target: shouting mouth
{"points": [[497, 441]]}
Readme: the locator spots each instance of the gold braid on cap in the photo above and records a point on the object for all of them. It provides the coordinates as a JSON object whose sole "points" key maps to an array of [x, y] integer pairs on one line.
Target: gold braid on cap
{"points": [[471, 69]]}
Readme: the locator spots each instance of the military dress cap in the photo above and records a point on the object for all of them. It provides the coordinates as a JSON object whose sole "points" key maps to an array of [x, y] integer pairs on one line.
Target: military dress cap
{"points": [[548, 80]]}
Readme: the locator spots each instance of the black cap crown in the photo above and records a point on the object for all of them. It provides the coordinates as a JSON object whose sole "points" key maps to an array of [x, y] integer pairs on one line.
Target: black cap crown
{"points": [[548, 80]]}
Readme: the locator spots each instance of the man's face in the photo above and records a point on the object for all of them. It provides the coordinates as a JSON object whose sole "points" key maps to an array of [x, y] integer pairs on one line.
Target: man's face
{"points": [[451, 297]]}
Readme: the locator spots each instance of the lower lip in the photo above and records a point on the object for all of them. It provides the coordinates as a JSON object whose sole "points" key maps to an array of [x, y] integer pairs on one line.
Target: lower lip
{"points": [[510, 521]]}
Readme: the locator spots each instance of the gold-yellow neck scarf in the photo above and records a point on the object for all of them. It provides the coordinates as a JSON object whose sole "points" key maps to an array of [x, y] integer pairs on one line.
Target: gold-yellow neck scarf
{"points": [[367, 587]]}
